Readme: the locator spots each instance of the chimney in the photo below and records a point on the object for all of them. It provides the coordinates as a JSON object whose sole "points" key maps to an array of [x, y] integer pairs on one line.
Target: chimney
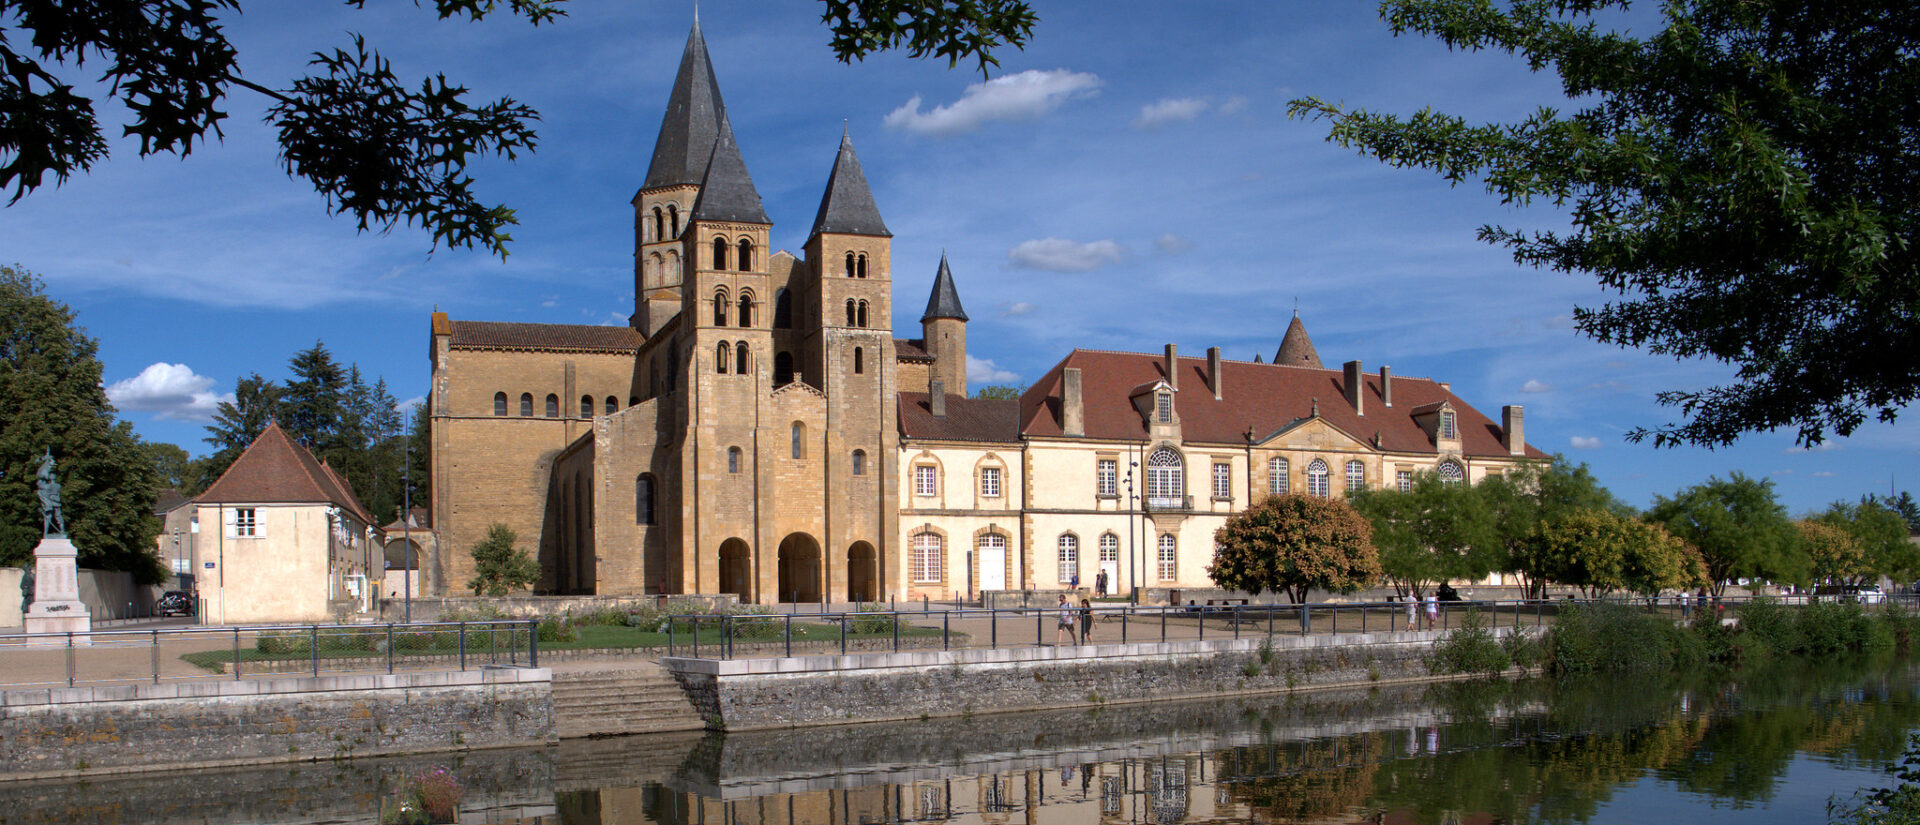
{"points": [[937, 397], [1513, 427], [1213, 370], [1386, 386], [1355, 388], [1072, 412], [1173, 367]]}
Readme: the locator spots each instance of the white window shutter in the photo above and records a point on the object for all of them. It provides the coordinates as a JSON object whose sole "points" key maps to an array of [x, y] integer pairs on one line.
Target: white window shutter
{"points": [[227, 523]]}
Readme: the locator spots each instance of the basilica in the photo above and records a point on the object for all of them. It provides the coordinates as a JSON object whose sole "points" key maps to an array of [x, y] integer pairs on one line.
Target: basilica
{"points": [[757, 429]]}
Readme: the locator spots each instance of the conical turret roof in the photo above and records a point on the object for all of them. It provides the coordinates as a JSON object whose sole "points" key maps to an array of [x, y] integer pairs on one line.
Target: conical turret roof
{"points": [[692, 122], [945, 300], [727, 192], [1296, 349], [847, 207]]}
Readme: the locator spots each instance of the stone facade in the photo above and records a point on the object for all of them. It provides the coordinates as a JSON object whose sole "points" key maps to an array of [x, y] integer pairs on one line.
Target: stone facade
{"points": [[775, 437]]}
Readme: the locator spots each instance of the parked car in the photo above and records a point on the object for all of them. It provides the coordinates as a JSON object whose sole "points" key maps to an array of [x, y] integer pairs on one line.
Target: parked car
{"points": [[174, 603], [1860, 593]]}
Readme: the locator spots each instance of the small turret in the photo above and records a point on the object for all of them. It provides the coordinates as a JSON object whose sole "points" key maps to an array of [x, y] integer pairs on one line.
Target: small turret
{"points": [[944, 326], [1296, 349]]}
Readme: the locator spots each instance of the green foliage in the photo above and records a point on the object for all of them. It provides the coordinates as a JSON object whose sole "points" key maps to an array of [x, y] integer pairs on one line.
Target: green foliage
{"points": [[1601, 552], [172, 467], [1523, 648], [1738, 527], [1432, 533], [998, 391], [1881, 536], [872, 624], [1525, 501], [429, 797], [500, 567], [954, 29], [557, 629], [1897, 804], [1744, 177], [1294, 544], [1470, 648], [1612, 638], [51, 398]]}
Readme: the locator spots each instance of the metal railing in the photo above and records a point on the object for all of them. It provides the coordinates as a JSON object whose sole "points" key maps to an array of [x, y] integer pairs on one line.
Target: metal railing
{"points": [[159, 655], [728, 636]]}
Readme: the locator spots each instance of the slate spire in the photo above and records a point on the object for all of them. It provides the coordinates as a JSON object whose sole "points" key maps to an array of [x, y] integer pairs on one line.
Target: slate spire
{"points": [[727, 192], [1296, 349], [847, 208], [692, 122], [945, 300]]}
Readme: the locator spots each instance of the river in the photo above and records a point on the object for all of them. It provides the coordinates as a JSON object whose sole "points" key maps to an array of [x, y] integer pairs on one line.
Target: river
{"points": [[1769, 745]]}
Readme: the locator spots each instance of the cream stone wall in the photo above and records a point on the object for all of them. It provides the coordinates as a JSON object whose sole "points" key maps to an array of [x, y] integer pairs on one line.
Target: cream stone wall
{"points": [[961, 513], [282, 573]]}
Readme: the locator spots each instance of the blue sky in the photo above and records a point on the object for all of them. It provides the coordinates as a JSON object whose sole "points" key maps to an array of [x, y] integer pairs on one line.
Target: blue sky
{"points": [[1129, 180]]}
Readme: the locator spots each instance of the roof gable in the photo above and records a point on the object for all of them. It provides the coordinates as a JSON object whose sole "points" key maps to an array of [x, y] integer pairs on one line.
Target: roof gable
{"points": [[275, 470]]}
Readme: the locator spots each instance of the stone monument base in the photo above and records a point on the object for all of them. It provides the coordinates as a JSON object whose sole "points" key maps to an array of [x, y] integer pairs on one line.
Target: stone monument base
{"points": [[56, 607]]}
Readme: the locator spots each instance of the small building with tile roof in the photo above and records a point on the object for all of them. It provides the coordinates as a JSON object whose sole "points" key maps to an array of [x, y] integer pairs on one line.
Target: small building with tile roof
{"points": [[756, 429], [294, 543]]}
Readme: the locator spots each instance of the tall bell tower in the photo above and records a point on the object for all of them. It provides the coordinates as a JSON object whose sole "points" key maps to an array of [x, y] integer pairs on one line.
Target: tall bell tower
{"points": [[663, 207]]}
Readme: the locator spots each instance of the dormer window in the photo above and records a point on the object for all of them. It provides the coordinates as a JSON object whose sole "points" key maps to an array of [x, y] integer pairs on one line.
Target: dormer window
{"points": [[1163, 407], [1447, 428]]}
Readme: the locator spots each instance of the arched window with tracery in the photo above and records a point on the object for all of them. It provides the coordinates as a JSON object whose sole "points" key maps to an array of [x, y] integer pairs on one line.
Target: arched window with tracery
{"points": [[1356, 476], [722, 357], [1317, 478], [740, 357], [745, 257], [643, 499], [745, 314], [499, 403], [719, 253], [782, 309], [927, 558], [720, 308], [1450, 473], [1277, 472], [1069, 557], [1166, 480]]}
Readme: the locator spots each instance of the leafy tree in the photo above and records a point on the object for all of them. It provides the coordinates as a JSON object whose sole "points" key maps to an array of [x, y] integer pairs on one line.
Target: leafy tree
{"points": [[1738, 527], [1746, 178], [1293, 544], [237, 423], [998, 391], [1433, 533], [1601, 551], [1902, 505], [420, 456], [314, 402], [1881, 535], [375, 148], [499, 567], [172, 467], [1524, 502], [1833, 554], [51, 399]]}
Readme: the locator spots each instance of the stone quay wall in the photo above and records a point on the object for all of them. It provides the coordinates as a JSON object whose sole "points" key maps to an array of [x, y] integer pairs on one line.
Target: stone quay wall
{"points": [[213, 723], [749, 694]]}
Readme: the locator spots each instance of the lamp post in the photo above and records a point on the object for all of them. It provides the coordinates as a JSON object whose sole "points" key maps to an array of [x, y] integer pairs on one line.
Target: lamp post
{"points": [[1133, 580], [406, 515]]}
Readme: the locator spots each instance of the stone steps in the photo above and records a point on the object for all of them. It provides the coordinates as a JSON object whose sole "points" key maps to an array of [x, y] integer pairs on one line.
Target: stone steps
{"points": [[620, 701]]}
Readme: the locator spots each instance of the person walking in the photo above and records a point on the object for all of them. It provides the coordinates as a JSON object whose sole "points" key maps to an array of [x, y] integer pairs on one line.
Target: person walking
{"points": [[1100, 585], [1413, 605], [1064, 628], [1433, 611], [1086, 621], [1686, 605]]}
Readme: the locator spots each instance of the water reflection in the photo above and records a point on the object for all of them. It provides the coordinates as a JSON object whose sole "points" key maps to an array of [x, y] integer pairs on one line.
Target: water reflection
{"points": [[1452, 753]]}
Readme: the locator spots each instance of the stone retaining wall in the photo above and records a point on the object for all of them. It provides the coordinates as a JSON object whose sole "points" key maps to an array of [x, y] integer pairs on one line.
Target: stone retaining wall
{"points": [[535, 607], [822, 690], [75, 731]]}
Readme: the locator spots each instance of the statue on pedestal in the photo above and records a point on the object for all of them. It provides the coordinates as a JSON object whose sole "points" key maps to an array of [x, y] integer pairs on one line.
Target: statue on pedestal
{"points": [[52, 521]]}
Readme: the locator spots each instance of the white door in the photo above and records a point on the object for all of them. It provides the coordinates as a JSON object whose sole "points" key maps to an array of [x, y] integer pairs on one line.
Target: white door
{"points": [[1110, 561], [993, 562]]}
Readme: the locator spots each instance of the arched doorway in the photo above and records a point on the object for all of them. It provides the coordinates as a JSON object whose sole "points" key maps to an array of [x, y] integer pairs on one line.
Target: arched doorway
{"points": [[736, 570], [863, 573], [799, 569]]}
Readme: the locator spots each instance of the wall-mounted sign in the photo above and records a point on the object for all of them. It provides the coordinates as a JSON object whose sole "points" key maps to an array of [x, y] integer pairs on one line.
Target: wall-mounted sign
{"points": [[209, 565]]}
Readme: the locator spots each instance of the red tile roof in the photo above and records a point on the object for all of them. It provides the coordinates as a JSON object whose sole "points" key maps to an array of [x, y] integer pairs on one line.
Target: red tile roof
{"points": [[275, 470], [1261, 398], [550, 337], [989, 420], [911, 349]]}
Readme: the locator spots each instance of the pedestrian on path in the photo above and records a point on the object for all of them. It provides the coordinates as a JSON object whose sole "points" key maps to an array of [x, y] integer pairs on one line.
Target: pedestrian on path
{"points": [[1433, 611], [1086, 621], [1413, 605], [1100, 585], [1064, 629]]}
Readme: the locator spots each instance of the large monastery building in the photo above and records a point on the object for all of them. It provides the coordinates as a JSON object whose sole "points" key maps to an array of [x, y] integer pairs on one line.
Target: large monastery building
{"points": [[757, 430]]}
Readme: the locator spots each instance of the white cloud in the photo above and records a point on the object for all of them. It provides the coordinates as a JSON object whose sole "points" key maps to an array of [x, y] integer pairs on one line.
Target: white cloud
{"points": [[982, 372], [1822, 447], [408, 405], [1581, 442], [1232, 105], [1535, 385], [1016, 308], [1062, 255], [1021, 96], [1172, 244], [169, 391], [1823, 474], [1171, 110]]}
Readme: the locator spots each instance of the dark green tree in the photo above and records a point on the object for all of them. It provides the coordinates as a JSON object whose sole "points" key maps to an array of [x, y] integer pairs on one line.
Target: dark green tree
{"points": [[172, 467], [1294, 544], [1525, 502], [379, 149], [1881, 535], [419, 457], [1745, 177], [499, 567], [1739, 529], [998, 391], [51, 398], [1902, 505], [237, 423], [313, 404], [1434, 533]]}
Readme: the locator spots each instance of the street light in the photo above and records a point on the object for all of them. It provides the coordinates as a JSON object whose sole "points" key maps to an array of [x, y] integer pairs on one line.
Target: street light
{"points": [[1133, 581], [406, 514]]}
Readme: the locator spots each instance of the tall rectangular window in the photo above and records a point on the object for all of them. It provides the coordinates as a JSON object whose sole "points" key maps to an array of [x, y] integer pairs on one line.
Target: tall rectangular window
{"points": [[928, 559], [990, 482], [1356, 476], [1277, 476], [1109, 478], [1069, 557], [923, 480], [1447, 427], [246, 522], [1168, 557], [1163, 408], [1404, 480], [1223, 481]]}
